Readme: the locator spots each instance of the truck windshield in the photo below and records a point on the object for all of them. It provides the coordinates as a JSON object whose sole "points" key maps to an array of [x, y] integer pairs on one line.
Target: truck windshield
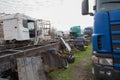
{"points": [[31, 25], [108, 5]]}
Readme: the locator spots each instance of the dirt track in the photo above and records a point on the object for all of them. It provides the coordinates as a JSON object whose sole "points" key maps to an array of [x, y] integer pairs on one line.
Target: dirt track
{"points": [[83, 70], [80, 70]]}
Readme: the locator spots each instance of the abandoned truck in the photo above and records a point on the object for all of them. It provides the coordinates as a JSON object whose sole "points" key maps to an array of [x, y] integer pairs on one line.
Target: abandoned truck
{"points": [[24, 31]]}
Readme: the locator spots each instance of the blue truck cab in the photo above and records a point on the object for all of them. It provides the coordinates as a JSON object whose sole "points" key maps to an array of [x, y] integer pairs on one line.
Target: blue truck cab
{"points": [[105, 38], [88, 31]]}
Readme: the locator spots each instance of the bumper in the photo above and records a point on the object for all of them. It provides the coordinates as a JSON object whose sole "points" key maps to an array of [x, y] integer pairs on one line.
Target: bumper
{"points": [[106, 73]]}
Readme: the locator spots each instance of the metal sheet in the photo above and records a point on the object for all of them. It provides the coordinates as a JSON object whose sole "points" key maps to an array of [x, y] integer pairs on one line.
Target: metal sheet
{"points": [[30, 69], [66, 44]]}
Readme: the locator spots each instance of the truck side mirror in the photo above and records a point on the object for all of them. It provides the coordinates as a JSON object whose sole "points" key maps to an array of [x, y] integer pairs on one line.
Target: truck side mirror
{"points": [[85, 7], [94, 7]]}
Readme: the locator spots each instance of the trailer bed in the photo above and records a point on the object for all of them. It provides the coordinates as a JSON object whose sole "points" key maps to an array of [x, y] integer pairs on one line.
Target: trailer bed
{"points": [[9, 56]]}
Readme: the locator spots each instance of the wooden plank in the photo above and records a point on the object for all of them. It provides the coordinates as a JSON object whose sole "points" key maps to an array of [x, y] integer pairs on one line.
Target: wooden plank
{"points": [[21, 69], [30, 69], [3, 79]]}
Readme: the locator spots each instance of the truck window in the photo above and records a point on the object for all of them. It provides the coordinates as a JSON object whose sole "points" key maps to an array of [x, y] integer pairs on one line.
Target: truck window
{"points": [[108, 5], [25, 24], [31, 25]]}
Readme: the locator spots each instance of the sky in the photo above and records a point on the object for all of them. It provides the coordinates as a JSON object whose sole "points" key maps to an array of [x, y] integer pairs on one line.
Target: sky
{"points": [[62, 13]]}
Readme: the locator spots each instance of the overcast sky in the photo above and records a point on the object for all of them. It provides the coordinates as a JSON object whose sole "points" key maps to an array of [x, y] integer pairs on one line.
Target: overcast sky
{"points": [[62, 13]]}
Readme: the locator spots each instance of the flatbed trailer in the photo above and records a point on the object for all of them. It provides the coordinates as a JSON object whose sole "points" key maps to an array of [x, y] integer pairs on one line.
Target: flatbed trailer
{"points": [[8, 58]]}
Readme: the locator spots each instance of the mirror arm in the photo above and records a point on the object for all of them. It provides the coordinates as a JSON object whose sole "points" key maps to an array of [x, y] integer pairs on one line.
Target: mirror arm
{"points": [[91, 14]]}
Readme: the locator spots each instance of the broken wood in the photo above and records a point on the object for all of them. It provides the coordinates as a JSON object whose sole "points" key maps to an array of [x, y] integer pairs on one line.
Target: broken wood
{"points": [[30, 68]]}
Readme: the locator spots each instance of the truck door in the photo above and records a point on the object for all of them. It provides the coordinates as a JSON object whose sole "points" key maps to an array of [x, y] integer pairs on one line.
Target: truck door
{"points": [[10, 28], [31, 27]]}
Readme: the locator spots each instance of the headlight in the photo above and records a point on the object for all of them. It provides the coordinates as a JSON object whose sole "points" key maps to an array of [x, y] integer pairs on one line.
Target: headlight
{"points": [[94, 52], [95, 59], [106, 61]]}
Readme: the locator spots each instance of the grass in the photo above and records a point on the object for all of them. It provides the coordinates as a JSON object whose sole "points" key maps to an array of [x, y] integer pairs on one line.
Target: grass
{"points": [[66, 74]]}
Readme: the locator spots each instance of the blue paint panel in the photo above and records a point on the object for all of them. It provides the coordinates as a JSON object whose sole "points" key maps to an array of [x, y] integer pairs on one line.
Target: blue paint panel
{"points": [[116, 41], [115, 32], [116, 65], [102, 29], [116, 52], [115, 23], [114, 15]]}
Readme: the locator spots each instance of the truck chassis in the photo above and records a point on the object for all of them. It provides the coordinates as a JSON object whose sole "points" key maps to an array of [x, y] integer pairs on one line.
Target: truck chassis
{"points": [[8, 58]]}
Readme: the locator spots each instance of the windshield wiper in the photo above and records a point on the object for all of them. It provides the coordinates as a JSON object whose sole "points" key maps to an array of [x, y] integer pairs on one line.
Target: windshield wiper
{"points": [[111, 2]]}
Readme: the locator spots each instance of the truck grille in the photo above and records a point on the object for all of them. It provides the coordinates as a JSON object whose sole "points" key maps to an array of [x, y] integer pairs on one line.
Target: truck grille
{"points": [[116, 37], [116, 46], [115, 34], [115, 27], [99, 43], [116, 61]]}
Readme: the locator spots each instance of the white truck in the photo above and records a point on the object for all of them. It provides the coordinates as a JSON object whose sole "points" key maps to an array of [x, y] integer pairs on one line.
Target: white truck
{"points": [[17, 27], [21, 28], [60, 33]]}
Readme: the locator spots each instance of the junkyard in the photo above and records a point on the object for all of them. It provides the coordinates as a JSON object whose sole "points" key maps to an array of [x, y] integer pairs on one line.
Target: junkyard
{"points": [[59, 39]]}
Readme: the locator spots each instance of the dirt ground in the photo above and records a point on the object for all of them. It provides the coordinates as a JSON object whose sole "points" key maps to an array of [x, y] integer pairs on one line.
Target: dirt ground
{"points": [[83, 70]]}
